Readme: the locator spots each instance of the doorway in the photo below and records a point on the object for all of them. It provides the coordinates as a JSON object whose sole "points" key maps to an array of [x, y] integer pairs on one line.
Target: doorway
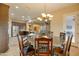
{"points": [[16, 27], [70, 27], [15, 30]]}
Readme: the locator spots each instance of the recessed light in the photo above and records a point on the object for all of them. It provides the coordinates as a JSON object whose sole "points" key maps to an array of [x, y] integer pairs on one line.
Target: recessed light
{"points": [[30, 21], [22, 16], [17, 7], [12, 14]]}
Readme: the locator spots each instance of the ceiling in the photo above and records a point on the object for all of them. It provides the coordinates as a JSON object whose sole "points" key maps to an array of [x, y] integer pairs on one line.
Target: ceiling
{"points": [[32, 10]]}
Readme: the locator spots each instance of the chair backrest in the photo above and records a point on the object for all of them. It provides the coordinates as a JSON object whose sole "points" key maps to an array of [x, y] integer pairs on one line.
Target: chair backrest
{"points": [[70, 41], [20, 36], [44, 46], [62, 37], [67, 46], [20, 42]]}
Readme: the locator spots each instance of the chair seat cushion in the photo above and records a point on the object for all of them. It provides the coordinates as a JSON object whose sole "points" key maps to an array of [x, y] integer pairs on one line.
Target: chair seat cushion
{"points": [[28, 50], [58, 50]]}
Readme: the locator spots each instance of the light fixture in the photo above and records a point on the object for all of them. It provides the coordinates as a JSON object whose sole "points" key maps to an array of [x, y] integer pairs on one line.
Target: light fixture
{"points": [[39, 18], [45, 16], [17, 7], [49, 15], [12, 14], [29, 21], [22, 16], [45, 20]]}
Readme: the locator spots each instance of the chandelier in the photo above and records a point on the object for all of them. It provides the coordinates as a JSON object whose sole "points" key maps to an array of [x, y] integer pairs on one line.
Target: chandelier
{"points": [[45, 16]]}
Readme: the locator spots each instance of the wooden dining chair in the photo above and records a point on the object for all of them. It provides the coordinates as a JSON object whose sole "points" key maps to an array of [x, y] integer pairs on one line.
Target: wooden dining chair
{"points": [[20, 42], [64, 51], [62, 37], [69, 45], [25, 46], [43, 46]]}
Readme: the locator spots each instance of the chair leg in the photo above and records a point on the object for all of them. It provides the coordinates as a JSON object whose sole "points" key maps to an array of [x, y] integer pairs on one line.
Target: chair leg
{"points": [[20, 54], [68, 54]]}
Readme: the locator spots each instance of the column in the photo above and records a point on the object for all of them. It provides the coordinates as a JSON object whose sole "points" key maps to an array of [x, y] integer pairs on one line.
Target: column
{"points": [[4, 16]]}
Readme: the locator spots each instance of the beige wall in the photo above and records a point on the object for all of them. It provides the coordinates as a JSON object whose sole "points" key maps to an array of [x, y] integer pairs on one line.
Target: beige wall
{"points": [[57, 24], [3, 27]]}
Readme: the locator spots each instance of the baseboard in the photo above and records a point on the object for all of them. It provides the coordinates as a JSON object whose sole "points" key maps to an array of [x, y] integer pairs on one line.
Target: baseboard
{"points": [[74, 46]]}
